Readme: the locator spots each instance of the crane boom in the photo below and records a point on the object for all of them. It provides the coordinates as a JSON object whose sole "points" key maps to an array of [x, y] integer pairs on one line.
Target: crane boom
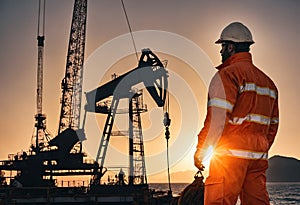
{"points": [[39, 101], [40, 38], [72, 82], [40, 117]]}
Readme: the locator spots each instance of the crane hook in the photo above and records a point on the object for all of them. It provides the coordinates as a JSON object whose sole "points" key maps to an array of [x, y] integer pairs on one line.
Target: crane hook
{"points": [[167, 122]]}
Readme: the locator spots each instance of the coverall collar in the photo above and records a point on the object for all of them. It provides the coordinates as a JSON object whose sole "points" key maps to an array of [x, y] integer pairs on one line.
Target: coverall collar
{"points": [[242, 56]]}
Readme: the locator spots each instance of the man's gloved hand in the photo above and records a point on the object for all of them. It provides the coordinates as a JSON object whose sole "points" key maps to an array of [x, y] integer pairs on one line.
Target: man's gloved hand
{"points": [[198, 160]]}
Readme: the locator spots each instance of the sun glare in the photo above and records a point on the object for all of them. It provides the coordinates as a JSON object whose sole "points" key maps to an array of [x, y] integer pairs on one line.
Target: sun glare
{"points": [[208, 156]]}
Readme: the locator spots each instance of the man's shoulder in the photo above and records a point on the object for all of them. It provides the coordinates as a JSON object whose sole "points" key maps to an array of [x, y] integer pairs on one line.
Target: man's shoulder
{"points": [[243, 72], [266, 78]]}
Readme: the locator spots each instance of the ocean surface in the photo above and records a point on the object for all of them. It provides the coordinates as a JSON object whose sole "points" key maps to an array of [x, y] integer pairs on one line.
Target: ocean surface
{"points": [[279, 192]]}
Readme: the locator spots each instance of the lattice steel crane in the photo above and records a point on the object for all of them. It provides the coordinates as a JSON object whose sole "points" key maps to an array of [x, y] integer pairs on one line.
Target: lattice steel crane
{"points": [[40, 135], [58, 156], [72, 83]]}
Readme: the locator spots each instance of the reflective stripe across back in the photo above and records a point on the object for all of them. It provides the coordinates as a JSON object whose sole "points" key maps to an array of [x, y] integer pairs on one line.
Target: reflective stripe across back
{"points": [[252, 118], [247, 154], [259, 90]]}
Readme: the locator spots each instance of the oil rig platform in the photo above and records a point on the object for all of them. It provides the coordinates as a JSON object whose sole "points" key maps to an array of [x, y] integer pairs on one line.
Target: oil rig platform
{"points": [[31, 176]]}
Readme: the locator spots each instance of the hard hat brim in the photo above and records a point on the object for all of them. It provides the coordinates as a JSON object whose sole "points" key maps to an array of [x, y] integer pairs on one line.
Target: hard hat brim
{"points": [[219, 41]]}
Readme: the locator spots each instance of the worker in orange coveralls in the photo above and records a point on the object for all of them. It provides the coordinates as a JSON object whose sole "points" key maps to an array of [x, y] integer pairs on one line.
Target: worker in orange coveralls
{"points": [[241, 123]]}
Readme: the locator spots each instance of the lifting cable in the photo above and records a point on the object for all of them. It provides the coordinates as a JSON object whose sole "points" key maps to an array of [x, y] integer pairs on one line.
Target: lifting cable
{"points": [[167, 122], [130, 30]]}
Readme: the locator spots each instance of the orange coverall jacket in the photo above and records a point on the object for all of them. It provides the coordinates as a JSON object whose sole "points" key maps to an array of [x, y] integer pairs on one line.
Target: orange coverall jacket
{"points": [[241, 122]]}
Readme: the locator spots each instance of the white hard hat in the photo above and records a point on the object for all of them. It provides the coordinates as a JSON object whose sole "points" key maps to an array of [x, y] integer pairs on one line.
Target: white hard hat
{"points": [[236, 32]]}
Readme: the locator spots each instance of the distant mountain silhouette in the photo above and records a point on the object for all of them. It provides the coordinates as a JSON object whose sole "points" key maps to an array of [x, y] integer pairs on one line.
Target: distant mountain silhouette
{"points": [[283, 169]]}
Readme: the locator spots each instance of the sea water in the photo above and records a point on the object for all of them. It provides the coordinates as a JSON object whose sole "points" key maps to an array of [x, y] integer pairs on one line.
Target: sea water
{"points": [[280, 193], [284, 193]]}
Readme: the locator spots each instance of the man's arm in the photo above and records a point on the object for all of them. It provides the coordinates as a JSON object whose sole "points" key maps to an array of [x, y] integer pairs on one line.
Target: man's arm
{"points": [[273, 128], [221, 99]]}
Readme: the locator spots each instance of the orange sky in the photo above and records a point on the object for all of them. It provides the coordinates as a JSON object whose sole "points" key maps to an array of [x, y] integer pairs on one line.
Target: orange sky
{"points": [[274, 25]]}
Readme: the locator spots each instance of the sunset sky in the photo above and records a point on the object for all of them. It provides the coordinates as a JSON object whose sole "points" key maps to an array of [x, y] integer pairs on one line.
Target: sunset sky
{"points": [[196, 24]]}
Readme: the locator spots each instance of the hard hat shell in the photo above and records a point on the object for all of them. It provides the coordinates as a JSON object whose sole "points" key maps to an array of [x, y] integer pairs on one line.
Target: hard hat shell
{"points": [[236, 32]]}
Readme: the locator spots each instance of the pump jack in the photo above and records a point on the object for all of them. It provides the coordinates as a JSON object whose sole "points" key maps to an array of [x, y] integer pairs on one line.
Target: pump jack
{"points": [[152, 73]]}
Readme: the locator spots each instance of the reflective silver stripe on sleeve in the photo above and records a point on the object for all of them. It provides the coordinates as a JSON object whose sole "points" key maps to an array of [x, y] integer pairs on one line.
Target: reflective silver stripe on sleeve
{"points": [[259, 90], [248, 154], [251, 118], [217, 102]]}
